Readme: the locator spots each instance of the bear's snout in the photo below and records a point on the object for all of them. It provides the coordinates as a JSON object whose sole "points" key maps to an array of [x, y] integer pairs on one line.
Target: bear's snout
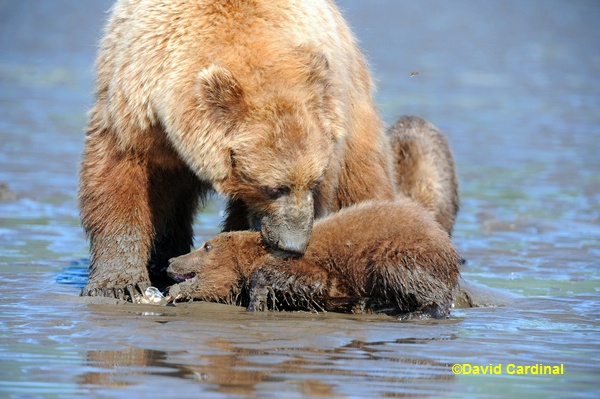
{"points": [[286, 240], [287, 230]]}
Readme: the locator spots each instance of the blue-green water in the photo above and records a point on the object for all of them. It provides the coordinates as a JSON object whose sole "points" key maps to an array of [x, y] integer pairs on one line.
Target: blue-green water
{"points": [[514, 84]]}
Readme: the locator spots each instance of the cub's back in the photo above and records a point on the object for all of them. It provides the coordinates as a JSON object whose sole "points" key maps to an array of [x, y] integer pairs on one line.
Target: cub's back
{"points": [[373, 222]]}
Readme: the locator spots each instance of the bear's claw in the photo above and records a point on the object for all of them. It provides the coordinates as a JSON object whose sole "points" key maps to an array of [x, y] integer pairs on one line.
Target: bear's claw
{"points": [[128, 293]]}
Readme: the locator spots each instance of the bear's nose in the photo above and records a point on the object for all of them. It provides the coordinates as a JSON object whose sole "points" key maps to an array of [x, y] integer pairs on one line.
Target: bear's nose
{"points": [[293, 247]]}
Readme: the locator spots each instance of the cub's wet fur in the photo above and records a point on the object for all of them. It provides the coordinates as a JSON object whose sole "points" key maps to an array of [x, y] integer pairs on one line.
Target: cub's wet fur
{"points": [[379, 256]]}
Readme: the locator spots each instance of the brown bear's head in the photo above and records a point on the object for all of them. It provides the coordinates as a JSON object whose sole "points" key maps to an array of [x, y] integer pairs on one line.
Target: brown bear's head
{"points": [[281, 135], [217, 270]]}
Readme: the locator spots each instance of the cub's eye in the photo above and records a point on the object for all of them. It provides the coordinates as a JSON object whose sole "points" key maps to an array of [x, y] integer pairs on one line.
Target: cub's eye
{"points": [[206, 247], [276, 192]]}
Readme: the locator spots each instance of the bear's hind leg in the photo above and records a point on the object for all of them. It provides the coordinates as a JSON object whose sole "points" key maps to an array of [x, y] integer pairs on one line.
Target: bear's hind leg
{"points": [[411, 285], [424, 167]]}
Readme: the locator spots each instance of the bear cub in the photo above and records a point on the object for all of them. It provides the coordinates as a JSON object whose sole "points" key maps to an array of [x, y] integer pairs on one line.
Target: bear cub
{"points": [[387, 257]]}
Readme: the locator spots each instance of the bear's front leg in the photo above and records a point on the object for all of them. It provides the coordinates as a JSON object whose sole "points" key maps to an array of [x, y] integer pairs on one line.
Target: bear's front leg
{"points": [[116, 215], [289, 287]]}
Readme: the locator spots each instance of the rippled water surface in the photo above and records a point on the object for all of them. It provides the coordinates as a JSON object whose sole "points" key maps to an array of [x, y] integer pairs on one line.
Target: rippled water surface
{"points": [[514, 84]]}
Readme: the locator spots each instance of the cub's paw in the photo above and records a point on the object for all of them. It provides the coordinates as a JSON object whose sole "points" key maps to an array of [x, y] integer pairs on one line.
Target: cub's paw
{"points": [[280, 289], [260, 299], [183, 291], [261, 293], [431, 311]]}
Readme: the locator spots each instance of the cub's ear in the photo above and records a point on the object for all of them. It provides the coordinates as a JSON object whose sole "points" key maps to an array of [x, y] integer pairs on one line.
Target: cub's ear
{"points": [[220, 95]]}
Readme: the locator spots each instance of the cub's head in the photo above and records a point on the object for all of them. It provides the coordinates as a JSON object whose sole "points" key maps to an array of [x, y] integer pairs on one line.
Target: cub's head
{"points": [[281, 133], [218, 270]]}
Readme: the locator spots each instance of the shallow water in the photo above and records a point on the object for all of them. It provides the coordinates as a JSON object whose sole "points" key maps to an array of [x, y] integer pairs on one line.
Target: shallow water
{"points": [[516, 87]]}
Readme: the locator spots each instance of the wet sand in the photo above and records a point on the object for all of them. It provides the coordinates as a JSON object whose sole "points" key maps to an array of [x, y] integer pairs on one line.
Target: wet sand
{"points": [[515, 85]]}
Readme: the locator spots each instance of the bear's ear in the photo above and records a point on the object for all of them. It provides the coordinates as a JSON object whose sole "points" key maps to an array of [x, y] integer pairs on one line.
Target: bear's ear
{"points": [[315, 65], [220, 94], [319, 71], [326, 96]]}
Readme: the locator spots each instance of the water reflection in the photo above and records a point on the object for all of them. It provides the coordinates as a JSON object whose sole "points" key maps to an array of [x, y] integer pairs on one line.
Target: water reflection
{"points": [[111, 367], [236, 370]]}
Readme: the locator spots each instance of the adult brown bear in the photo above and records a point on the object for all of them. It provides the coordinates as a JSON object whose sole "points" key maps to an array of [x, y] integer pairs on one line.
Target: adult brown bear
{"points": [[268, 103], [379, 256]]}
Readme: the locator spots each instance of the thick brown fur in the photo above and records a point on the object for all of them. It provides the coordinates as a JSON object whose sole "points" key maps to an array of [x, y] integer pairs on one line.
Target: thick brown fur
{"points": [[425, 168], [268, 103], [378, 256]]}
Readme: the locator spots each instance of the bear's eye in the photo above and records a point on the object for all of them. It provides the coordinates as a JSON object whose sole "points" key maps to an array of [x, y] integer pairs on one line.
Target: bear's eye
{"points": [[206, 247], [316, 183], [276, 192]]}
